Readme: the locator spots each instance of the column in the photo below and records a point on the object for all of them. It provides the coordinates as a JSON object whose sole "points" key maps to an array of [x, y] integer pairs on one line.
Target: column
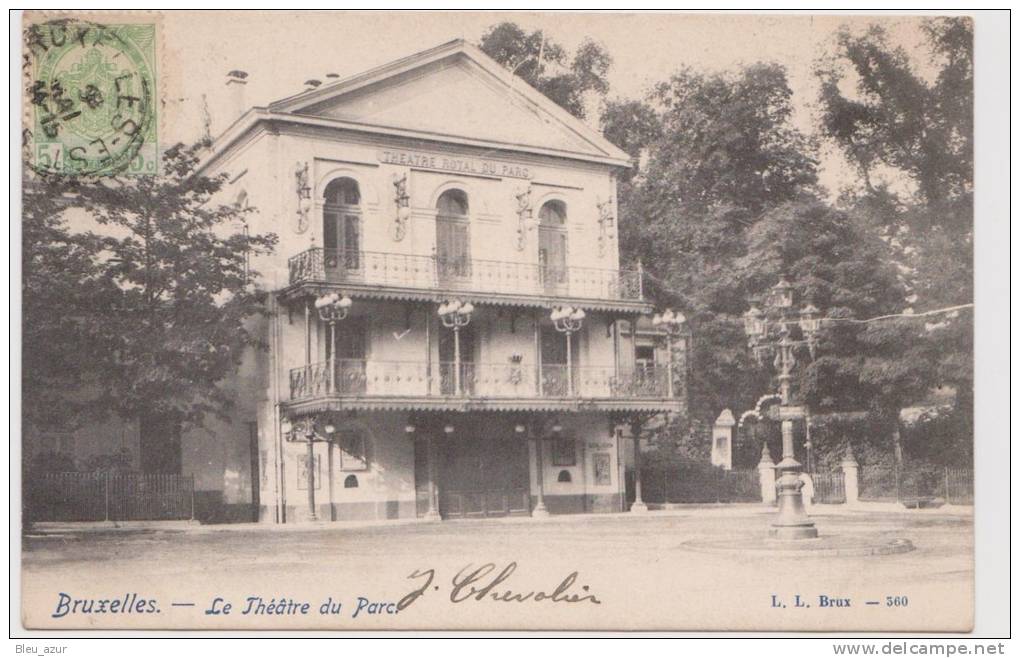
{"points": [[639, 504], [433, 512], [312, 516], [540, 510]]}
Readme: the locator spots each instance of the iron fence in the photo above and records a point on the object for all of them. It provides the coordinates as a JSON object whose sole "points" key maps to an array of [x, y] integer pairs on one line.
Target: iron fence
{"points": [[110, 497], [698, 483], [912, 483], [830, 488]]}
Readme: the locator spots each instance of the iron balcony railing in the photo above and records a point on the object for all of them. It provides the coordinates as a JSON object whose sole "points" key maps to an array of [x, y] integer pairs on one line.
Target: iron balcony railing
{"points": [[469, 275], [371, 378]]}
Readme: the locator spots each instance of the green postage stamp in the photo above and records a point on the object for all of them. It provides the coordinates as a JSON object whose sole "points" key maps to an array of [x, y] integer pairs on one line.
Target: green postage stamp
{"points": [[91, 90]]}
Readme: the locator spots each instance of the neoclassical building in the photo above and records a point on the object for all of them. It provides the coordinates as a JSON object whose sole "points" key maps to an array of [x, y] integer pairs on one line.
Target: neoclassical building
{"points": [[452, 333]]}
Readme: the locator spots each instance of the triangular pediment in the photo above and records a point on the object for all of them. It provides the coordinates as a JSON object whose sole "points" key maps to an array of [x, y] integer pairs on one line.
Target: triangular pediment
{"points": [[461, 94]]}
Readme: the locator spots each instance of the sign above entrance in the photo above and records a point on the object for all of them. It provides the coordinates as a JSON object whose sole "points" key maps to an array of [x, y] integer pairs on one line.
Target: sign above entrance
{"points": [[457, 165]]}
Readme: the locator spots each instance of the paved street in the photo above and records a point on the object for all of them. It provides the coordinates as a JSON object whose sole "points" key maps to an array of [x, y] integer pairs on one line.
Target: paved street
{"points": [[636, 566]]}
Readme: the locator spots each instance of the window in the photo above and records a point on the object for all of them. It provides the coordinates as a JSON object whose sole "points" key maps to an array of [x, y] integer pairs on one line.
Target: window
{"points": [[351, 482], [644, 357], [453, 244], [564, 452], [552, 245], [341, 224], [564, 476]]}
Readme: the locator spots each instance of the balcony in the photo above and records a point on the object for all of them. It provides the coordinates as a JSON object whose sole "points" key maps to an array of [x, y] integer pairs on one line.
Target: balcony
{"points": [[358, 378], [318, 265]]}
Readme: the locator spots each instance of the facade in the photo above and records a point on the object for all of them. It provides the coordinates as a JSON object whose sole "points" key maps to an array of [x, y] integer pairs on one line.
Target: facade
{"points": [[437, 183]]}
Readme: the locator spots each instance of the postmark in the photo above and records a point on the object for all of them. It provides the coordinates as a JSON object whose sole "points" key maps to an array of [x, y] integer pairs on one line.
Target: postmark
{"points": [[91, 89]]}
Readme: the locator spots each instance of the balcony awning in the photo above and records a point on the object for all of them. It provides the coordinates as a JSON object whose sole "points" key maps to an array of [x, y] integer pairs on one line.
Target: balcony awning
{"points": [[454, 404], [307, 289]]}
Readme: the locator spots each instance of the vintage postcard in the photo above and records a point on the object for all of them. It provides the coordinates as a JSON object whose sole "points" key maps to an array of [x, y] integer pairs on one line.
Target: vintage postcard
{"points": [[497, 321]]}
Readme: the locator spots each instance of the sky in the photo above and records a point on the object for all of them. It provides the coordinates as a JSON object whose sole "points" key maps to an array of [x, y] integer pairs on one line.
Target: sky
{"points": [[280, 50]]}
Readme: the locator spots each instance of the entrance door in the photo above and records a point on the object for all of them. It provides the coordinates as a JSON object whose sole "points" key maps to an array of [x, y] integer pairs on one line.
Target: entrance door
{"points": [[484, 474]]}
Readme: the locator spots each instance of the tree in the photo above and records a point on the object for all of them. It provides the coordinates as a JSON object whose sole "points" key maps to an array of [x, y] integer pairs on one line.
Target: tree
{"points": [[890, 114], [547, 67], [724, 153], [154, 313], [66, 343]]}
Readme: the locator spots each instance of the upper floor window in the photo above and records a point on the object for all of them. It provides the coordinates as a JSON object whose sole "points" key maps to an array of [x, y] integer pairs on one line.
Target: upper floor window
{"points": [[553, 213], [453, 235], [341, 224], [552, 245]]}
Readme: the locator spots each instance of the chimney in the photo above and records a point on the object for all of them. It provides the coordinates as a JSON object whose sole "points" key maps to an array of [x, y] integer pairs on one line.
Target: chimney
{"points": [[236, 80]]}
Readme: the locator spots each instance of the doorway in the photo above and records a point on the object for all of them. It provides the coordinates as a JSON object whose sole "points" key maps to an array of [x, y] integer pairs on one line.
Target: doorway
{"points": [[484, 473]]}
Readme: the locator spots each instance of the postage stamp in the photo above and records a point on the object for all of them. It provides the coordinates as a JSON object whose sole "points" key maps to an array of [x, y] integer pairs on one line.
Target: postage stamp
{"points": [[91, 90]]}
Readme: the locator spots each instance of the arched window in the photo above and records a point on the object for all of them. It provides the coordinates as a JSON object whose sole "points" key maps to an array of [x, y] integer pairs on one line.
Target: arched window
{"points": [[351, 482], [341, 224], [564, 476], [553, 213], [453, 236], [552, 245]]}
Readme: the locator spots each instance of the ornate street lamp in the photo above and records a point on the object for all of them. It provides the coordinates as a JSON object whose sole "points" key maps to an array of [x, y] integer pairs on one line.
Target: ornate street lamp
{"points": [[769, 334], [333, 308], [456, 315], [673, 324], [567, 320]]}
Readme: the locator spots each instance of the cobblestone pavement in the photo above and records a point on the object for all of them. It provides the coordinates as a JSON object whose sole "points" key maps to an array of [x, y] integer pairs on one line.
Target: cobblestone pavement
{"points": [[636, 565]]}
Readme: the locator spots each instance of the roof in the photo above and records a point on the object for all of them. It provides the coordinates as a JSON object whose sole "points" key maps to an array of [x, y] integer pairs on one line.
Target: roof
{"points": [[471, 99]]}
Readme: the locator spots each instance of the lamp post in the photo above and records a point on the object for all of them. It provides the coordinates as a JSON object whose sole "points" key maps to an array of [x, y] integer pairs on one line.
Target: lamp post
{"points": [[456, 315], [333, 308], [769, 334], [567, 320], [305, 428], [673, 324]]}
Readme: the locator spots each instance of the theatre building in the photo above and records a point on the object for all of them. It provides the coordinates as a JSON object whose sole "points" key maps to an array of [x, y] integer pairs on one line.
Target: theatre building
{"points": [[451, 331]]}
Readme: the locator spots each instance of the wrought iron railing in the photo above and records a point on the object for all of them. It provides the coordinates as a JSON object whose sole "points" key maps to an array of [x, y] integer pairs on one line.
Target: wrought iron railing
{"points": [[371, 378], [468, 275]]}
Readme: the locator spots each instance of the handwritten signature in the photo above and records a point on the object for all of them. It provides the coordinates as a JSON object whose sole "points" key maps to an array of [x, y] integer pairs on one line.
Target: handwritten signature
{"points": [[478, 584]]}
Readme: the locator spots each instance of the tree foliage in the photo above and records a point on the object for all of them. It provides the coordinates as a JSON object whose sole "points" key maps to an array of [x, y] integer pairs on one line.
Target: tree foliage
{"points": [[548, 67], [154, 311]]}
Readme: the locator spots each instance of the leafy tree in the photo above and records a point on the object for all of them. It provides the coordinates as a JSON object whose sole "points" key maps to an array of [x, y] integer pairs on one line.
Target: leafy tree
{"points": [[66, 342], [889, 115], [152, 308], [547, 67], [725, 152]]}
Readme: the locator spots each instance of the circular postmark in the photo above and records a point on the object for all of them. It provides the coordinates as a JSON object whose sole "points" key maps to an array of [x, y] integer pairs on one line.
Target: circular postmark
{"points": [[91, 89]]}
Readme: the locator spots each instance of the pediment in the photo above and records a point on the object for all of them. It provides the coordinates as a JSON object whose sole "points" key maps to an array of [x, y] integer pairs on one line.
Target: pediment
{"points": [[459, 96]]}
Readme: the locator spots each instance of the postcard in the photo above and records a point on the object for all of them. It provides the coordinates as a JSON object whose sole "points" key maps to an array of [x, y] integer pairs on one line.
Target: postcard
{"points": [[497, 321]]}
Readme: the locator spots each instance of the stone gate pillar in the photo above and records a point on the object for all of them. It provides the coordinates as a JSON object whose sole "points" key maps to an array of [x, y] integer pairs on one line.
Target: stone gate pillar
{"points": [[850, 482], [767, 476], [722, 440]]}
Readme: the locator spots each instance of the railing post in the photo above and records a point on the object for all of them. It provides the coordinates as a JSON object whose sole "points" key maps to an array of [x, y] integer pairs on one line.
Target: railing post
{"points": [[946, 476], [106, 493]]}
